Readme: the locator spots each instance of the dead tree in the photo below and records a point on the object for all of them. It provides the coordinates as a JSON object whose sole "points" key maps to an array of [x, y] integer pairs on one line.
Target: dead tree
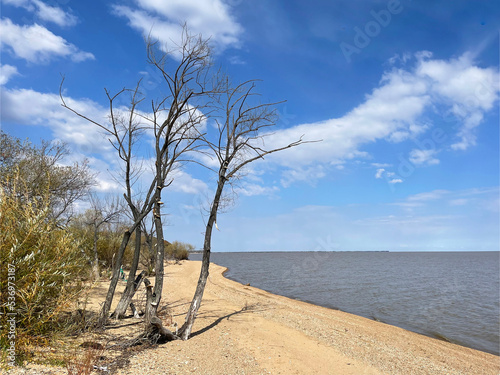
{"points": [[124, 131], [174, 122], [183, 112], [238, 142]]}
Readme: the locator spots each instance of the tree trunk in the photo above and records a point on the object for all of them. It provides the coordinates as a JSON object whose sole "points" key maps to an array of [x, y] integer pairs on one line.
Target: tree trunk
{"points": [[114, 280], [153, 301], [155, 331], [151, 253], [185, 330], [131, 288], [126, 302]]}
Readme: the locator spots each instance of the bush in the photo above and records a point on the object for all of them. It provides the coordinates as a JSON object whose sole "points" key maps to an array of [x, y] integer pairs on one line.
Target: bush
{"points": [[42, 266], [108, 242], [178, 250]]}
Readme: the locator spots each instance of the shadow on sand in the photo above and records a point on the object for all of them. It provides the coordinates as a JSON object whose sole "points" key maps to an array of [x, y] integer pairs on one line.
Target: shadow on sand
{"points": [[246, 309]]}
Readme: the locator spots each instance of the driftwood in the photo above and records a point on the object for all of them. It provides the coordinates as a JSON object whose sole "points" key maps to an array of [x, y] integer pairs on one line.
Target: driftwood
{"points": [[156, 332], [165, 334]]}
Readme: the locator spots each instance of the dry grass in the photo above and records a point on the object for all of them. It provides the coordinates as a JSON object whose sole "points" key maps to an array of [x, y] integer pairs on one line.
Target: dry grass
{"points": [[82, 361]]}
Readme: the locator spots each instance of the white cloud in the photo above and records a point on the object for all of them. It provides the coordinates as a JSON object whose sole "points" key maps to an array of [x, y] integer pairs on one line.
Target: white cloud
{"points": [[185, 183], [458, 202], [37, 44], [382, 173], [7, 71], [236, 60], [17, 3], [45, 12], [379, 173], [29, 107], [468, 89], [54, 14], [163, 20], [84, 138], [395, 111], [479, 198], [250, 189], [428, 196], [423, 157], [304, 174]]}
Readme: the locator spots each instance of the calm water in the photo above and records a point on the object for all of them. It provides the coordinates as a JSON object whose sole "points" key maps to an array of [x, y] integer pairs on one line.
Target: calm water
{"points": [[449, 295]]}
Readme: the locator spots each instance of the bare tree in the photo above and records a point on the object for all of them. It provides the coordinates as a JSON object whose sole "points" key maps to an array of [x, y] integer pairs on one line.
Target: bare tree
{"points": [[124, 131], [41, 167], [174, 122], [239, 142], [186, 107]]}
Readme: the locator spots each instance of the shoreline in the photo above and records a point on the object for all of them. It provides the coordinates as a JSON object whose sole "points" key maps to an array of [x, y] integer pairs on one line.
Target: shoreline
{"points": [[434, 335], [457, 337], [243, 329]]}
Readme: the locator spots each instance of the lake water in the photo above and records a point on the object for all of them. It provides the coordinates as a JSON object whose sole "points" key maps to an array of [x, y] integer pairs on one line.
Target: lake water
{"points": [[452, 296]]}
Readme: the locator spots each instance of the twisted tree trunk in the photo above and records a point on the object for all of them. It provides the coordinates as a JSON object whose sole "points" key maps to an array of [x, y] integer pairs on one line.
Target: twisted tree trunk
{"points": [[114, 280], [131, 287], [154, 295]]}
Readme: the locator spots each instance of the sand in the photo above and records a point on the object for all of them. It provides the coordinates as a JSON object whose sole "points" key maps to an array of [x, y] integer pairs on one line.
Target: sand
{"points": [[244, 330]]}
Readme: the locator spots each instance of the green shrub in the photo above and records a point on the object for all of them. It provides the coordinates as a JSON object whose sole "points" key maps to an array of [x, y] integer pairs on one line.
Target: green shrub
{"points": [[42, 266], [178, 250]]}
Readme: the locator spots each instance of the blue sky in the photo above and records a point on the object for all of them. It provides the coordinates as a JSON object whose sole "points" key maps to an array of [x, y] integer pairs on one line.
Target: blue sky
{"points": [[404, 95]]}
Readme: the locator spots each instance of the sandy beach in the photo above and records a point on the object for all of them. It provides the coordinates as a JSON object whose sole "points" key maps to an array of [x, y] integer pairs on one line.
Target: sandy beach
{"points": [[244, 330]]}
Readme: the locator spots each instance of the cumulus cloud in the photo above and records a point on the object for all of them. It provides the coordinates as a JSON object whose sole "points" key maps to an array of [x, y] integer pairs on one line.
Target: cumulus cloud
{"points": [[379, 173], [7, 71], [163, 20], [308, 174], [423, 157], [29, 107], [469, 90], [54, 14], [37, 44], [84, 138], [45, 12], [396, 111], [185, 183]]}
